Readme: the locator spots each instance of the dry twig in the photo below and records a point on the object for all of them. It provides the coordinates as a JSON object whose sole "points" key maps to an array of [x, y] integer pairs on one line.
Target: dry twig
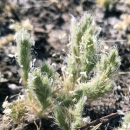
{"points": [[100, 120]]}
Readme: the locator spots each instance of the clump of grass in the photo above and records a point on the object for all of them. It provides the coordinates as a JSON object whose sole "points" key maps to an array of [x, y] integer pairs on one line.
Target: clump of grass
{"points": [[123, 24], [84, 58], [65, 96], [16, 110], [106, 4]]}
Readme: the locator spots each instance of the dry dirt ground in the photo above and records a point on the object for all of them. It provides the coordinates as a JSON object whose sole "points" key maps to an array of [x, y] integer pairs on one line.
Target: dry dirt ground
{"points": [[51, 21]]}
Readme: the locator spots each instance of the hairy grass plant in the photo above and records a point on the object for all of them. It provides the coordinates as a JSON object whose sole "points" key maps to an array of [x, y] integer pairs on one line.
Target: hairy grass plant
{"points": [[40, 84], [66, 95], [84, 58], [16, 110], [24, 42]]}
